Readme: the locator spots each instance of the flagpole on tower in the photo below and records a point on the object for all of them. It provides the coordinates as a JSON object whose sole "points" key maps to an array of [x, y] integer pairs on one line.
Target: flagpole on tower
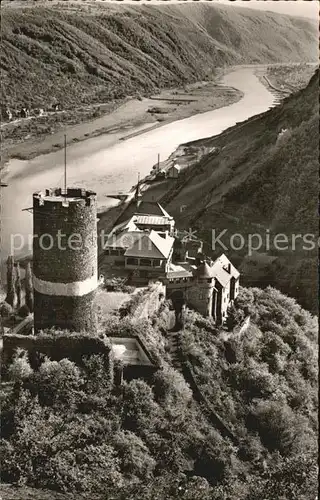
{"points": [[65, 165]]}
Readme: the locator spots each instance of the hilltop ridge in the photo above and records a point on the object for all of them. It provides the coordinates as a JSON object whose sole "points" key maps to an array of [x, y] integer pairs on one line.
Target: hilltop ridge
{"points": [[78, 54]]}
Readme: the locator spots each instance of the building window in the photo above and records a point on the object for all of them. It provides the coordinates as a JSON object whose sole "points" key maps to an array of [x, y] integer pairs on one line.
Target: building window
{"points": [[145, 262], [114, 252], [131, 261], [157, 262]]}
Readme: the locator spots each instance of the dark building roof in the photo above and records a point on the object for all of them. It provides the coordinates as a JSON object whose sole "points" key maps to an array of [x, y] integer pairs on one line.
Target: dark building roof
{"points": [[151, 208], [142, 208]]}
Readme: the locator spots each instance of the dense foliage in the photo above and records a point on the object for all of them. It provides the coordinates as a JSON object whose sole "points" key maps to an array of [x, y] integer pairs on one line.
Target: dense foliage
{"points": [[65, 429], [76, 54]]}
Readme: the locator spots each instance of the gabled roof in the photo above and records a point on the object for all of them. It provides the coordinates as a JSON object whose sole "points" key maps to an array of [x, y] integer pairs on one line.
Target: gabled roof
{"points": [[128, 225], [218, 270], [151, 208], [221, 275], [184, 270], [223, 262], [151, 245], [143, 208], [125, 239]]}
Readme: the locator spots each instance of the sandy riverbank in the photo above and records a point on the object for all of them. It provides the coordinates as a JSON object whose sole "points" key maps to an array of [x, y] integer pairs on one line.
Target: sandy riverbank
{"points": [[130, 118]]}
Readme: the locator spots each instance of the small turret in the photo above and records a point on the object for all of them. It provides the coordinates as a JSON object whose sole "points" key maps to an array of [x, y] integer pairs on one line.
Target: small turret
{"points": [[200, 295], [204, 271]]}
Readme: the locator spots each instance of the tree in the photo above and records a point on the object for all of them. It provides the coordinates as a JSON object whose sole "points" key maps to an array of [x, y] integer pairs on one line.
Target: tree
{"points": [[29, 288], [139, 408], [135, 458], [277, 425], [5, 310], [294, 477], [18, 285], [57, 383], [234, 318], [23, 311], [20, 368], [11, 297]]}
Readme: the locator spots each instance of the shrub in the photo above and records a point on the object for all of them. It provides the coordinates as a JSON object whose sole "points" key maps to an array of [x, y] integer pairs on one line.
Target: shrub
{"points": [[57, 382], [234, 318], [24, 311], [20, 368], [6, 310]]}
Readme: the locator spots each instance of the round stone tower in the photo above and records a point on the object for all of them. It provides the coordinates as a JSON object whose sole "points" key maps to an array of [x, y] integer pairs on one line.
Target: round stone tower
{"points": [[64, 259], [202, 291]]}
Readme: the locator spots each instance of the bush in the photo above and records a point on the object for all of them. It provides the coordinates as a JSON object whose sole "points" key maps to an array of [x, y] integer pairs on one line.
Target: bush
{"points": [[57, 382], [24, 311], [20, 368], [6, 310], [234, 318]]}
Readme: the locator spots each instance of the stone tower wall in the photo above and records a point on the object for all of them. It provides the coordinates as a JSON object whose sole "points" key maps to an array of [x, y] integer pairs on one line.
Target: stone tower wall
{"points": [[199, 297], [64, 259]]}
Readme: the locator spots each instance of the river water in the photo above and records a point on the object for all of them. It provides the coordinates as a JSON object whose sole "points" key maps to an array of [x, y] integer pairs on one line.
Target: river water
{"points": [[107, 166]]}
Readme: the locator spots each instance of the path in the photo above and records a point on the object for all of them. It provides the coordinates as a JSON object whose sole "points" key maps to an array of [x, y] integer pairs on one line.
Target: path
{"points": [[182, 365]]}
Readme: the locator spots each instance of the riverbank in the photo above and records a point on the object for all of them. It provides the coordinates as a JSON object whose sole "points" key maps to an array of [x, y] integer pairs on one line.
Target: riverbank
{"points": [[25, 141]]}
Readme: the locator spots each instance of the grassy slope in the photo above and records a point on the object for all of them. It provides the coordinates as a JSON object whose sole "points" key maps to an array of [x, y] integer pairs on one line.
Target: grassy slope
{"points": [[78, 56], [257, 182]]}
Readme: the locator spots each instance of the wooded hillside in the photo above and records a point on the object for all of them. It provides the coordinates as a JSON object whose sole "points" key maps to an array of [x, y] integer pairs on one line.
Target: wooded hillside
{"points": [[78, 54]]}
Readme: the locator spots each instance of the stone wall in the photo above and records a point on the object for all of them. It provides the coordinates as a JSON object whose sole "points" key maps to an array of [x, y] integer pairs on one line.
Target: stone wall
{"points": [[199, 297], [72, 313], [57, 346], [150, 301]]}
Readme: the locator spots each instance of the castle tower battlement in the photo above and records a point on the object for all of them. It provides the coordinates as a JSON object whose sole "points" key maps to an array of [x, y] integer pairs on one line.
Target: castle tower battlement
{"points": [[64, 258]]}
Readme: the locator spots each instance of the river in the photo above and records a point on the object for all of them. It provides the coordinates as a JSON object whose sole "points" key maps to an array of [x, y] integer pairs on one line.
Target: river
{"points": [[107, 164]]}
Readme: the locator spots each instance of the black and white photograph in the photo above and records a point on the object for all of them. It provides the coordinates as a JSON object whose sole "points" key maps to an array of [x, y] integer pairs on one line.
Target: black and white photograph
{"points": [[159, 240]]}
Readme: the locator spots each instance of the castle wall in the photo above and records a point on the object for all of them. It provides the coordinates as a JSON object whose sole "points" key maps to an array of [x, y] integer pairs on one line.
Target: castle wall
{"points": [[199, 297], [150, 302], [225, 299], [57, 346], [74, 313]]}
